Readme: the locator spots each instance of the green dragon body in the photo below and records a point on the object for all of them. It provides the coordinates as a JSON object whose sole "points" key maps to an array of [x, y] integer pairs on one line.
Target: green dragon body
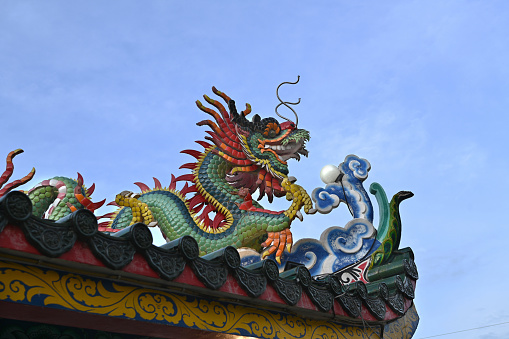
{"points": [[215, 205]]}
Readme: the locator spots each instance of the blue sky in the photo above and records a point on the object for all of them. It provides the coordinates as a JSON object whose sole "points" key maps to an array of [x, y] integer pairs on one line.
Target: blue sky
{"points": [[419, 88]]}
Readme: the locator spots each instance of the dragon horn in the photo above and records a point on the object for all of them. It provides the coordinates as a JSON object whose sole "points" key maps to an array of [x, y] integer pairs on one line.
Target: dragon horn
{"points": [[239, 118], [286, 103], [247, 110]]}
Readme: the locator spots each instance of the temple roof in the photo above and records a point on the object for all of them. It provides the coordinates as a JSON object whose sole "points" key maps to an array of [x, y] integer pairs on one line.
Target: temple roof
{"points": [[129, 259]]}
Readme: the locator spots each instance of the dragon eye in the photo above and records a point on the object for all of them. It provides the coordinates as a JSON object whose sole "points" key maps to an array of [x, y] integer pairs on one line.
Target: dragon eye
{"points": [[271, 130]]}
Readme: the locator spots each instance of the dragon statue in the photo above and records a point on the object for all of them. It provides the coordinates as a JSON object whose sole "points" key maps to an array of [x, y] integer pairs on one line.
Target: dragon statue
{"points": [[215, 205]]}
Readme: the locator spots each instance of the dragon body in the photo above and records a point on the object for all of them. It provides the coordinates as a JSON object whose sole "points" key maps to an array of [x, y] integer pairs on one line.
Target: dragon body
{"points": [[215, 205], [55, 198]]}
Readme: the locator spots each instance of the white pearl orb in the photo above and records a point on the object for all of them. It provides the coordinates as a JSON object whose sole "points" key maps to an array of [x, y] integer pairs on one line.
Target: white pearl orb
{"points": [[329, 174]]}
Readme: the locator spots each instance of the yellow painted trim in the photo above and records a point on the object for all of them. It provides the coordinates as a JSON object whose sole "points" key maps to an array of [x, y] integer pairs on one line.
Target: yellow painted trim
{"points": [[28, 284]]}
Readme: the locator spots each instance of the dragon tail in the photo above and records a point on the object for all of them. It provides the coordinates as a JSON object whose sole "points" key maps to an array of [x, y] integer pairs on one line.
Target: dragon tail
{"points": [[390, 242]]}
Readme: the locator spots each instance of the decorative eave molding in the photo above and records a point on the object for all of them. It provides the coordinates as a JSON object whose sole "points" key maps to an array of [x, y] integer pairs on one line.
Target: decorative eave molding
{"points": [[391, 298]]}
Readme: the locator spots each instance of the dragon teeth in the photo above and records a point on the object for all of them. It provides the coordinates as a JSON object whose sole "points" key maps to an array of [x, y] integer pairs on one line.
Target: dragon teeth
{"points": [[279, 147]]}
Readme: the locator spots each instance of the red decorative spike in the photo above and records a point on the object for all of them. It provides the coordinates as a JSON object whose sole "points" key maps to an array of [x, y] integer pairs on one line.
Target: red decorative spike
{"points": [[193, 153], [217, 220], [17, 183], [209, 208], [173, 183], [142, 186], [157, 183], [113, 203], [203, 143], [185, 177], [95, 205], [210, 139], [197, 199], [190, 166], [9, 168], [91, 190], [197, 208], [205, 214], [218, 142], [224, 122], [80, 179], [205, 218], [213, 135], [188, 189], [186, 186], [107, 215]]}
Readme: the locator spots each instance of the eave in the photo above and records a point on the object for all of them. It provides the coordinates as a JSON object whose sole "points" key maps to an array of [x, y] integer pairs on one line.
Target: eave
{"points": [[42, 254]]}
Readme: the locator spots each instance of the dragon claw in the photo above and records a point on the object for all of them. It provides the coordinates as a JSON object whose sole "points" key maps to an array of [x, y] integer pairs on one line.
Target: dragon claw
{"points": [[299, 215], [278, 241], [299, 197]]}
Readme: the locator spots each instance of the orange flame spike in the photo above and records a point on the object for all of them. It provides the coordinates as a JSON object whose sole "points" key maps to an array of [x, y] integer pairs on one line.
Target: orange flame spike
{"points": [[213, 126], [221, 94], [225, 123]]}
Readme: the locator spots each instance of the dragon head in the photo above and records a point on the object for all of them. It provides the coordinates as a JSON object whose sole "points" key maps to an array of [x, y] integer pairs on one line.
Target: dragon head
{"points": [[268, 144], [256, 150]]}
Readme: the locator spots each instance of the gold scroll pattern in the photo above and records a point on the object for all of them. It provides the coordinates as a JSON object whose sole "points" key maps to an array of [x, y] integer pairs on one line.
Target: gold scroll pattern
{"points": [[404, 327], [45, 287]]}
